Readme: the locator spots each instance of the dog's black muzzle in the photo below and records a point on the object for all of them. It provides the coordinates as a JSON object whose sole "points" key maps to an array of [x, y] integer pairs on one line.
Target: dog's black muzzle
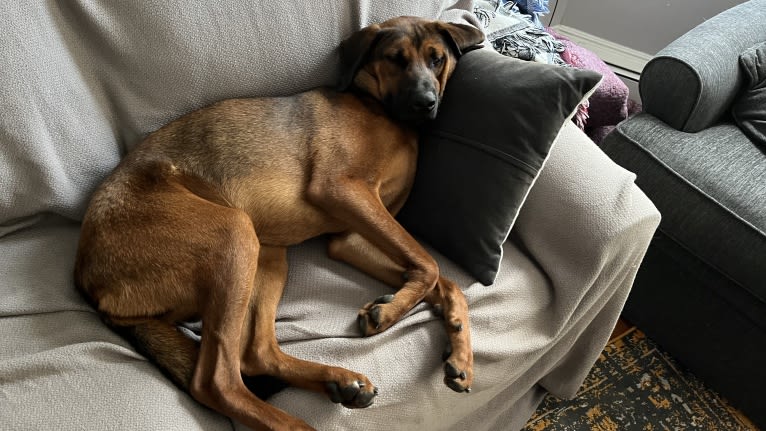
{"points": [[418, 103]]}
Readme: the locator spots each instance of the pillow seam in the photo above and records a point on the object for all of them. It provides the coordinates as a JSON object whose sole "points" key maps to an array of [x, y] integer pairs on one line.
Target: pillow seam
{"points": [[526, 167]]}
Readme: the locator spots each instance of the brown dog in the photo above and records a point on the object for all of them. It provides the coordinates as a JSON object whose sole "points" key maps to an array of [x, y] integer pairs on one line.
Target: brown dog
{"points": [[194, 223]]}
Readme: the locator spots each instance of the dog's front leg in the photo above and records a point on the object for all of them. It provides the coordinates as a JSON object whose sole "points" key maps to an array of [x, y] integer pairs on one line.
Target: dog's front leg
{"points": [[447, 299], [357, 205]]}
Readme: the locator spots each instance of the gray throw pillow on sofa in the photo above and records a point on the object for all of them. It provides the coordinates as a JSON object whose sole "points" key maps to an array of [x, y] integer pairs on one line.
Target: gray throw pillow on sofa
{"points": [[480, 156], [749, 110]]}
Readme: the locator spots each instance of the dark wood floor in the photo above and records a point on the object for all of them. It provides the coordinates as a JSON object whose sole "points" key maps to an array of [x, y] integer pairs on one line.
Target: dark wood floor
{"points": [[622, 327]]}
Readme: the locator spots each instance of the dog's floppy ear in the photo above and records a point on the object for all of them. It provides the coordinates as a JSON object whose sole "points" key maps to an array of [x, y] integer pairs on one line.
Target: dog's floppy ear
{"points": [[462, 37], [353, 53]]}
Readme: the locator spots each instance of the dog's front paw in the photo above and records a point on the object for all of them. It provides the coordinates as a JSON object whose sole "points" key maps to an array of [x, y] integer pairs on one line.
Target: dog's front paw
{"points": [[458, 369], [457, 377], [355, 394], [377, 316]]}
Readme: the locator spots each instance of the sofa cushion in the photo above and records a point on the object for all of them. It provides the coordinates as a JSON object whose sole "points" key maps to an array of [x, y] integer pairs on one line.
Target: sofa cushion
{"points": [[710, 196], [481, 155], [749, 110]]}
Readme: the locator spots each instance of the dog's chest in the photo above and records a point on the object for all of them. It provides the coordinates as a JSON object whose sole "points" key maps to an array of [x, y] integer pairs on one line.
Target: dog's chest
{"points": [[399, 174]]}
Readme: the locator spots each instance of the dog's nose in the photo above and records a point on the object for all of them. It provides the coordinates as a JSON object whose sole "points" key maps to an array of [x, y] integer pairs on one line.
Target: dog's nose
{"points": [[424, 102]]}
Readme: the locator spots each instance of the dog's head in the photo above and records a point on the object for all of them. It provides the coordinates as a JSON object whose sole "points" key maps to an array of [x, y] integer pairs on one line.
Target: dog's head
{"points": [[405, 63]]}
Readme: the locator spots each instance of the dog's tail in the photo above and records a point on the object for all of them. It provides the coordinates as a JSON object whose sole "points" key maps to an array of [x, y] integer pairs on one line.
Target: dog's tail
{"points": [[176, 355], [162, 343]]}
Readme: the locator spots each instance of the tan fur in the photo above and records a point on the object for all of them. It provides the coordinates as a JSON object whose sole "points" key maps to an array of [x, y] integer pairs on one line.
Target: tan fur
{"points": [[194, 223]]}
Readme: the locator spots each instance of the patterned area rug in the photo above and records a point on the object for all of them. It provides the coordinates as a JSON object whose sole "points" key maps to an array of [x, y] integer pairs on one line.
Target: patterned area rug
{"points": [[636, 386]]}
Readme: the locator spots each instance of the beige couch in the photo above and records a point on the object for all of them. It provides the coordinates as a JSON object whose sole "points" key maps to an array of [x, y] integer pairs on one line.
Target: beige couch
{"points": [[82, 81]]}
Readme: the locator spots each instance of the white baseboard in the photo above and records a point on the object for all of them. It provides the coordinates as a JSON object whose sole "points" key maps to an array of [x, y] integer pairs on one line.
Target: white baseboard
{"points": [[627, 62]]}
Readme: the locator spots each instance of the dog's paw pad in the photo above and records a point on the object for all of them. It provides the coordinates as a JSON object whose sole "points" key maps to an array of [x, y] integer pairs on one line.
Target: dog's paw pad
{"points": [[457, 326], [357, 394], [376, 316], [447, 351], [369, 322], [385, 299], [438, 310]]}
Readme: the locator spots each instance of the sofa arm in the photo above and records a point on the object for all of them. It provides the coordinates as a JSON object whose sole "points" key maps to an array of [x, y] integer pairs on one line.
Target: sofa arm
{"points": [[692, 82], [584, 214]]}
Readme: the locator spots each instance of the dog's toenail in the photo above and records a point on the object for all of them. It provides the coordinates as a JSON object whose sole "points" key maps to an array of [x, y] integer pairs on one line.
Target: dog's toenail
{"points": [[362, 322], [375, 316]]}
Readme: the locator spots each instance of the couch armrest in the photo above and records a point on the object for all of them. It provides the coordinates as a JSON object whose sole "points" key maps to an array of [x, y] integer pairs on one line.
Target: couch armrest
{"points": [[691, 83], [584, 214]]}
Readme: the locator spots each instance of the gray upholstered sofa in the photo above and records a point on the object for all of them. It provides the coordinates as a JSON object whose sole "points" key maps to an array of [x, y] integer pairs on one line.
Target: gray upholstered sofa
{"points": [[701, 293], [82, 81]]}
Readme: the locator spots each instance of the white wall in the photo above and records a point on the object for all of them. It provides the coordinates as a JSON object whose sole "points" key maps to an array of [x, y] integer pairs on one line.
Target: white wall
{"points": [[642, 25]]}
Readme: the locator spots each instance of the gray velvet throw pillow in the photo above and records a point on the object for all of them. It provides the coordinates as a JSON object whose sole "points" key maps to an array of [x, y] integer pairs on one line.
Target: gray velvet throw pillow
{"points": [[480, 156], [749, 110]]}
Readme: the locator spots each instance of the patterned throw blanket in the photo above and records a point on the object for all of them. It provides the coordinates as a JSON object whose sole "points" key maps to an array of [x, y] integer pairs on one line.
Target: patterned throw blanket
{"points": [[516, 31]]}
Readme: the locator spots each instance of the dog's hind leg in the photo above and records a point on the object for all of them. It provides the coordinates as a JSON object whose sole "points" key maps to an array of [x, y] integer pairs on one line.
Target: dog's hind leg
{"points": [[446, 298], [217, 381], [262, 355], [178, 255]]}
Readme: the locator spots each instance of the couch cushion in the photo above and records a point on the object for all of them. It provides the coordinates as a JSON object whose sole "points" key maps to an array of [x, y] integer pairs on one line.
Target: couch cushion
{"points": [[749, 110], [709, 186], [481, 155]]}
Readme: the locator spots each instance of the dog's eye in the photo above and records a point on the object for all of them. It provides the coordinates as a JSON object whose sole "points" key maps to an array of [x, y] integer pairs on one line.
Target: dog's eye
{"points": [[436, 62], [397, 58]]}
